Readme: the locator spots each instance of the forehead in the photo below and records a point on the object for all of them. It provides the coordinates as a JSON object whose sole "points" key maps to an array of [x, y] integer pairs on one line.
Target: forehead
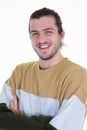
{"points": [[46, 21]]}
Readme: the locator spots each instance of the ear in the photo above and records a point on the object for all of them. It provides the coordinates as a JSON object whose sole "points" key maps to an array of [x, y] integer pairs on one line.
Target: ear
{"points": [[62, 35]]}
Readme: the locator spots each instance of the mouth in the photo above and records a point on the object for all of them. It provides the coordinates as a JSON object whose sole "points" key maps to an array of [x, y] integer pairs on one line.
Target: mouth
{"points": [[44, 47]]}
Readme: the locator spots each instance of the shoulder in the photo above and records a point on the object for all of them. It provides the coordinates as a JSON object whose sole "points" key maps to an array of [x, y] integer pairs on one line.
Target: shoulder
{"points": [[27, 65], [77, 74], [25, 68], [74, 67]]}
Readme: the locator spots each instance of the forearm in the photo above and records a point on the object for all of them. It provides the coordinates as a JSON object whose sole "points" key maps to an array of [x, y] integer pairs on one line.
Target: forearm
{"points": [[12, 121]]}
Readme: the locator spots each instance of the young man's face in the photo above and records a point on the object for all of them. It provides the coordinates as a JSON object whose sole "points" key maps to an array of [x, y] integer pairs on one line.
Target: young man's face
{"points": [[45, 37]]}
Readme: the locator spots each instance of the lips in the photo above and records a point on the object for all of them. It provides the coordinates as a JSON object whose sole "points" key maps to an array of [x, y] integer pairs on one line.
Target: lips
{"points": [[44, 46]]}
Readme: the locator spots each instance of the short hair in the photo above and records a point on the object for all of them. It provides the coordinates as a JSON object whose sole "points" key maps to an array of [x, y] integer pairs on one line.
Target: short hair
{"points": [[48, 12]]}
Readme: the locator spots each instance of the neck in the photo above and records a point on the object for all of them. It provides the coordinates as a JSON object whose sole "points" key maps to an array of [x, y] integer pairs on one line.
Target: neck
{"points": [[44, 64]]}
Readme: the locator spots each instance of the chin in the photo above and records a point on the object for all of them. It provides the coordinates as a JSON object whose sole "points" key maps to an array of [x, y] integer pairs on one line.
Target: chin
{"points": [[46, 58]]}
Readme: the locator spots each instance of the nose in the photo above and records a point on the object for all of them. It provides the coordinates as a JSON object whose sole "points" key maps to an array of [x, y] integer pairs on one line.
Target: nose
{"points": [[41, 38]]}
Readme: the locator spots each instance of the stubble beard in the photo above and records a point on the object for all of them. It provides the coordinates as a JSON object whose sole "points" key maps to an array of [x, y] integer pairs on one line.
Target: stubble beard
{"points": [[51, 55]]}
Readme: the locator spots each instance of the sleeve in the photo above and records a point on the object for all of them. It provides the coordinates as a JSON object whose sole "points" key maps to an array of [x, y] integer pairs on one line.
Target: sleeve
{"points": [[6, 95], [10, 86], [72, 112], [12, 121]]}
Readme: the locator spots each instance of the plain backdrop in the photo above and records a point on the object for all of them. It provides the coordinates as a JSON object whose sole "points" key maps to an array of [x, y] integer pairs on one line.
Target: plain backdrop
{"points": [[15, 45]]}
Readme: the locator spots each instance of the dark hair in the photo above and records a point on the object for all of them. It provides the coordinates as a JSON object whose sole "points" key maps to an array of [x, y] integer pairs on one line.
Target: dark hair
{"points": [[46, 12]]}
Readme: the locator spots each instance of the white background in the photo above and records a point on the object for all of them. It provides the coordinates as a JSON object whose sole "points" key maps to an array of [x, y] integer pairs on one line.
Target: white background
{"points": [[15, 45]]}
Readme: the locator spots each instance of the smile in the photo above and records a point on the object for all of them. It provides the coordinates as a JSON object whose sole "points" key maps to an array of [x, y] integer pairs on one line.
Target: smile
{"points": [[44, 46]]}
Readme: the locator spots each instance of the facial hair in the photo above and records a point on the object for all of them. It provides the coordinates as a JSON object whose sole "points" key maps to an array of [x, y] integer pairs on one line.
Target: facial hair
{"points": [[52, 54]]}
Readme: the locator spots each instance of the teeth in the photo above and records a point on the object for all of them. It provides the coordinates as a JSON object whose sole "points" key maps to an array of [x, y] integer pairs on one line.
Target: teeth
{"points": [[44, 46]]}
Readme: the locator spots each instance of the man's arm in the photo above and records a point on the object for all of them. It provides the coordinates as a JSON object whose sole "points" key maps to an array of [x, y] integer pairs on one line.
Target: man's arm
{"points": [[70, 116], [12, 121], [14, 105]]}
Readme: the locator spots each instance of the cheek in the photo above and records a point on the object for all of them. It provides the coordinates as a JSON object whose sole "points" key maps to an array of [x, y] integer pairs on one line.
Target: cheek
{"points": [[34, 41], [59, 40], [55, 38]]}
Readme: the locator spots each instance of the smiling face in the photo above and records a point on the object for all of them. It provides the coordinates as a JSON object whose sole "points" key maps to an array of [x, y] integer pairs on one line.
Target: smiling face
{"points": [[45, 38]]}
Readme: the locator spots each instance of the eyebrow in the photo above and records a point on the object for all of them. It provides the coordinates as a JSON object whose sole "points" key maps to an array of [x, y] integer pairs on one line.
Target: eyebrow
{"points": [[48, 29], [33, 31], [43, 30]]}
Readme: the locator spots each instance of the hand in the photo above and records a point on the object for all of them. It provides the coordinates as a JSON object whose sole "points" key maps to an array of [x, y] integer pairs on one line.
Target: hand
{"points": [[14, 105]]}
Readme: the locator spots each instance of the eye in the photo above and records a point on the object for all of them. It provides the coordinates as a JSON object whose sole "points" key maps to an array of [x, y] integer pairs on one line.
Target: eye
{"points": [[34, 34], [49, 32]]}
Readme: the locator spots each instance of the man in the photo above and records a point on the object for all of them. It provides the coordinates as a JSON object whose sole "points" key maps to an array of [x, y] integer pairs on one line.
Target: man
{"points": [[49, 94]]}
